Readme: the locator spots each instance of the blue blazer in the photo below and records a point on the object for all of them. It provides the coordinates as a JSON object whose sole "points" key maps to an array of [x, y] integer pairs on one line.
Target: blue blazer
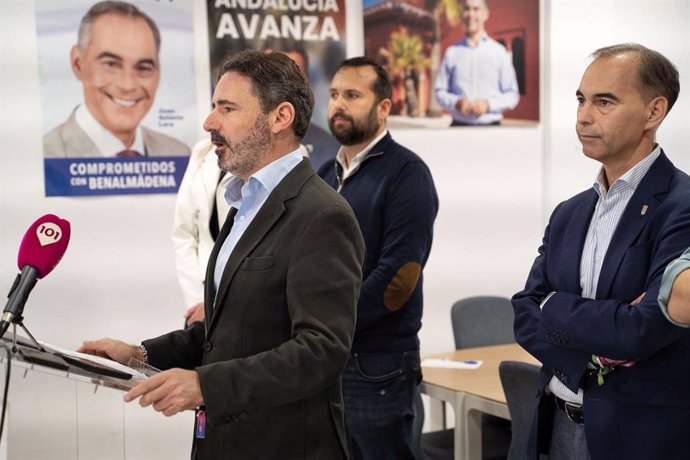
{"points": [[641, 412]]}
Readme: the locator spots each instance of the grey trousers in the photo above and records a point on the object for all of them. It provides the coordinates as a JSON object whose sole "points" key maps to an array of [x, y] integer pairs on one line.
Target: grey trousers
{"points": [[567, 439]]}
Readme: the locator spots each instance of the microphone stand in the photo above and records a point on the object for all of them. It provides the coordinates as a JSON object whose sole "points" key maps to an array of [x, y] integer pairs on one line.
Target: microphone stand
{"points": [[20, 322], [19, 292]]}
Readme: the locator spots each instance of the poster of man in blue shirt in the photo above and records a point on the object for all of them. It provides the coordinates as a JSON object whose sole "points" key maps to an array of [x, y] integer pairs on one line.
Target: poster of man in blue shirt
{"points": [[476, 81], [451, 63]]}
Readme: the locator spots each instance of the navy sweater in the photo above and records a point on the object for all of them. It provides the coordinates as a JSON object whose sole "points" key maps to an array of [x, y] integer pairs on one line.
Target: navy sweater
{"points": [[393, 196]]}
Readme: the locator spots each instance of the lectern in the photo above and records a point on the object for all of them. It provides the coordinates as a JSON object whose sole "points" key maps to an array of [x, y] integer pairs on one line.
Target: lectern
{"points": [[62, 407]]}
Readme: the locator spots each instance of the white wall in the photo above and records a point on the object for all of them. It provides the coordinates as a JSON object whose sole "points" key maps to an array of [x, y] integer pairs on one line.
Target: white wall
{"points": [[496, 187], [489, 185]]}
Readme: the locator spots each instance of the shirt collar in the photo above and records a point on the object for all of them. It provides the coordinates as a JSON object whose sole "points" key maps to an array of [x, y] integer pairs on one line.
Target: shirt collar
{"points": [[303, 150], [632, 177], [106, 142], [340, 157], [267, 178], [466, 40]]}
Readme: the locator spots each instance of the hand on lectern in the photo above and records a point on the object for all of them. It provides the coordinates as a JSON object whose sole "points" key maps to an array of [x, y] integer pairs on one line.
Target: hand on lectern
{"points": [[169, 392], [112, 349]]}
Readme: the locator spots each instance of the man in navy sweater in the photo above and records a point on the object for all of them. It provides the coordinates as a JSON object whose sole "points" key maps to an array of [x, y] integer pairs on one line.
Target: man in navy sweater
{"points": [[394, 199]]}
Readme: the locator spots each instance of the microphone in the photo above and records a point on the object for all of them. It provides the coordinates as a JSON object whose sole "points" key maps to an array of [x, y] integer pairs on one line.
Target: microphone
{"points": [[42, 247]]}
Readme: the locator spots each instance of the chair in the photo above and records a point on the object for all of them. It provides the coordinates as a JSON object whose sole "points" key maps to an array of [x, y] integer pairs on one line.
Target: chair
{"points": [[520, 382], [477, 321], [481, 321]]}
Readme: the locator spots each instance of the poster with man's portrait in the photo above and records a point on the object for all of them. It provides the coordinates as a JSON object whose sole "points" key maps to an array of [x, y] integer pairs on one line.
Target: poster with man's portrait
{"points": [[118, 95], [458, 62], [312, 33]]}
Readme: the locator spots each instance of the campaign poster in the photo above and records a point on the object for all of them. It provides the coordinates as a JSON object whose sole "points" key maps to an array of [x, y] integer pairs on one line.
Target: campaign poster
{"points": [[422, 44], [118, 95], [312, 32]]}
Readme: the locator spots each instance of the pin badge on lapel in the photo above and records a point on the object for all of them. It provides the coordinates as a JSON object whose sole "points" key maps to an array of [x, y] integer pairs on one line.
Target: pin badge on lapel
{"points": [[644, 210]]}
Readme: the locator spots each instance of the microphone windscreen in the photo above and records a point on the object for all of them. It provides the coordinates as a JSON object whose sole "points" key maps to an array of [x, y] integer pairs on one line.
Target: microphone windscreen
{"points": [[44, 244]]}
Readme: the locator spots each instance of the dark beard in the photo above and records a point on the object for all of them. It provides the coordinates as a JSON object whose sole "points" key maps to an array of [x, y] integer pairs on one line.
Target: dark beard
{"points": [[241, 158], [357, 132]]}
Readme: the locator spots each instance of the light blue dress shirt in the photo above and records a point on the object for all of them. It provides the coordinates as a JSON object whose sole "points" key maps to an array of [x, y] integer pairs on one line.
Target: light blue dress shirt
{"points": [[248, 198], [484, 71], [607, 213], [670, 274]]}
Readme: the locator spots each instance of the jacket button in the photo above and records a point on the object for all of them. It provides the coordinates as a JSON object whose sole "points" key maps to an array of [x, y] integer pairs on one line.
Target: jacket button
{"points": [[208, 346]]}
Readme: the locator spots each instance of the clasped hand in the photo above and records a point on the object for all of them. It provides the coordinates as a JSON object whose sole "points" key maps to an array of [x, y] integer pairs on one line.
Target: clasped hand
{"points": [[476, 107]]}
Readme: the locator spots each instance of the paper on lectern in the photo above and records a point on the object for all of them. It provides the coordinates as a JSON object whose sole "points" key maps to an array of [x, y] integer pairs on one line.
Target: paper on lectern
{"points": [[95, 359]]}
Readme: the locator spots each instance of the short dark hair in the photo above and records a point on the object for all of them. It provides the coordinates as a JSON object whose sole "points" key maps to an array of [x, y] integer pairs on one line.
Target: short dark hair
{"points": [[275, 79], [382, 86], [656, 75], [113, 7]]}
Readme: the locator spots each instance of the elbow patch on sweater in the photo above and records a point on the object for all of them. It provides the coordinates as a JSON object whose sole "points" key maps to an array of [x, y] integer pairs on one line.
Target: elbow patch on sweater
{"points": [[402, 285]]}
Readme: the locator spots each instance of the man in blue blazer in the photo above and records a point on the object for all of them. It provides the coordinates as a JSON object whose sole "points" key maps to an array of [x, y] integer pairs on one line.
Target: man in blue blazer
{"points": [[615, 381]]}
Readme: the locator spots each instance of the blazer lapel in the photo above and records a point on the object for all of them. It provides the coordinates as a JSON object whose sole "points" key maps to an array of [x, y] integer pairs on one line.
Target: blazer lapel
{"points": [[649, 194], [209, 289], [271, 211], [574, 240], [80, 144]]}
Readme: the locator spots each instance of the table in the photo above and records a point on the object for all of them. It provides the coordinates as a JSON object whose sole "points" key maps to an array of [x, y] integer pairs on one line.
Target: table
{"points": [[471, 392]]}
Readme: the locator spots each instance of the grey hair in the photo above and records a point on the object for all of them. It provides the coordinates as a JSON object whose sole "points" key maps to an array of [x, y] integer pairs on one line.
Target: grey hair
{"points": [[113, 7]]}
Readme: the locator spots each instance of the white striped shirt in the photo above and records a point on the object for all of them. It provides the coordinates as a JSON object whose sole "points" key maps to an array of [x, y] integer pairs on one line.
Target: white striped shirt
{"points": [[607, 213]]}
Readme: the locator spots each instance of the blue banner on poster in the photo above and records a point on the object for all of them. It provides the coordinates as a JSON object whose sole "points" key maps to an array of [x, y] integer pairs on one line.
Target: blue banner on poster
{"points": [[113, 176]]}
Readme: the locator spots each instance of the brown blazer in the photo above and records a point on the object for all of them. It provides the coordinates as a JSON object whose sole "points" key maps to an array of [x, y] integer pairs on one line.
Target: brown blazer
{"points": [[274, 344]]}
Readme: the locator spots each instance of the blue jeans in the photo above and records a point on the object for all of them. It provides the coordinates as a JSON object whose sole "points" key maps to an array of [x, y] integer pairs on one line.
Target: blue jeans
{"points": [[379, 391]]}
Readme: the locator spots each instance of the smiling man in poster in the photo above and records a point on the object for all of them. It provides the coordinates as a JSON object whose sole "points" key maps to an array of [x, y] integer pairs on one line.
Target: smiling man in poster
{"points": [[117, 61]]}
